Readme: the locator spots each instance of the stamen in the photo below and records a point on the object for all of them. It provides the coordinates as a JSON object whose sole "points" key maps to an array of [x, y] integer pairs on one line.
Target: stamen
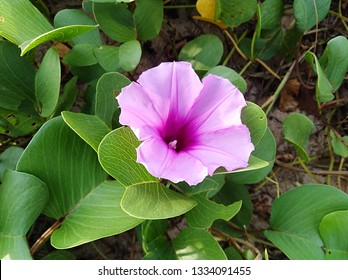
{"points": [[173, 144]]}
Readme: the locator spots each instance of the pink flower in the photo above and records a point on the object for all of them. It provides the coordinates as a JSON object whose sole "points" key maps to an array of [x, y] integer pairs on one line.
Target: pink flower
{"points": [[188, 128]]}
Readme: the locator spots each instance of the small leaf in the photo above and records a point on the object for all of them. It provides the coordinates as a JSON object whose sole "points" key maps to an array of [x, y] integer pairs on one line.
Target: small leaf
{"points": [[115, 20], [9, 159], [197, 244], [271, 13], [235, 12], [77, 17], [202, 52], [117, 155], [297, 130], [255, 119], [339, 148], [22, 198], [108, 57], [154, 201], [324, 89], [108, 86], [148, 16], [308, 12], [207, 211], [333, 231], [95, 216], [231, 75], [130, 54], [47, 83], [81, 55], [89, 127]]}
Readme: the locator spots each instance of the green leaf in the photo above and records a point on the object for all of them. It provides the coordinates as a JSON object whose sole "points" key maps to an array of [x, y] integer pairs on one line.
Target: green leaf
{"points": [[17, 77], [151, 230], [207, 211], [115, 20], [67, 165], [105, 100], [231, 75], [202, 52], [297, 130], [333, 231], [22, 198], [20, 21], [117, 155], [265, 150], [334, 61], [77, 17], [60, 255], [130, 54], [154, 201], [9, 159], [197, 244], [160, 249], [81, 55], [324, 89], [308, 12], [339, 148], [235, 12], [256, 120], [231, 193], [18, 123], [296, 216], [271, 13], [95, 216], [108, 57], [254, 163], [47, 83], [148, 16], [89, 127], [68, 98]]}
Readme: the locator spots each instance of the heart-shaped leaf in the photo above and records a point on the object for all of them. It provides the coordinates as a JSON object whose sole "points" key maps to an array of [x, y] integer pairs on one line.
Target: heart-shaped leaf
{"points": [[296, 217], [68, 166], [95, 216]]}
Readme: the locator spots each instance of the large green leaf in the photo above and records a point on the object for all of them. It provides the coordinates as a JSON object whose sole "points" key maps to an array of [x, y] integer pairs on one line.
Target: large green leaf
{"points": [[308, 12], [207, 211], [95, 216], [197, 244], [202, 52], [117, 155], [297, 130], [89, 127], [155, 201], [22, 198], [17, 77], [47, 83], [333, 231], [296, 216], [67, 165]]}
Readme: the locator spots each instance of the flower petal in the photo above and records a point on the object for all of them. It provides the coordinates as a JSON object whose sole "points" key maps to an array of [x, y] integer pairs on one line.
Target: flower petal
{"points": [[138, 111], [164, 162], [218, 106], [172, 87], [229, 148]]}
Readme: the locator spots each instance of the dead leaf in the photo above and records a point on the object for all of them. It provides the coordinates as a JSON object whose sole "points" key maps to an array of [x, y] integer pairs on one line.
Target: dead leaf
{"points": [[288, 97], [207, 11]]}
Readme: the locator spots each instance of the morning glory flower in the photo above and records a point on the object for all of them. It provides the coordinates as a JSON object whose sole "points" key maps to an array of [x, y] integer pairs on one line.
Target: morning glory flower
{"points": [[187, 127]]}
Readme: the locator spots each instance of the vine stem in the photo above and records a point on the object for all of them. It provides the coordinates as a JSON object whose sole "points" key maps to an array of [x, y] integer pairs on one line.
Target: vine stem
{"points": [[45, 236]]}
